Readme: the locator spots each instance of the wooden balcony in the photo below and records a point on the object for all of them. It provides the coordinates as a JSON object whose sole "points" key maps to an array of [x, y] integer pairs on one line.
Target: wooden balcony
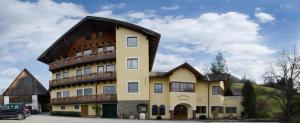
{"points": [[103, 98], [77, 60], [93, 77]]}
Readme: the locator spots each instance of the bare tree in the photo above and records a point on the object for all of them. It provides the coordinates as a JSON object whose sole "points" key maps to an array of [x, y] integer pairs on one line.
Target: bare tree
{"points": [[286, 77]]}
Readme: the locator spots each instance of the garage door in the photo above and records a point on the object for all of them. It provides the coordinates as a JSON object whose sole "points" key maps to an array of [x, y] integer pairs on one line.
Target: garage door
{"points": [[109, 110]]}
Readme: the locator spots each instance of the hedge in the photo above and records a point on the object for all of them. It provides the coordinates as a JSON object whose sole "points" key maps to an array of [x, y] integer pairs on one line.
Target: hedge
{"points": [[65, 113]]}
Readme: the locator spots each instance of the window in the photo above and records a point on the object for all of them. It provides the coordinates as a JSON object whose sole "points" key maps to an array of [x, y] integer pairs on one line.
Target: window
{"points": [[100, 49], [231, 109], [79, 72], [132, 63], [79, 92], [154, 110], [215, 90], [88, 91], [182, 87], [162, 110], [62, 107], [133, 87], [218, 109], [58, 76], [87, 70], [58, 94], [109, 48], [158, 87], [100, 69], [132, 42], [79, 53], [87, 52], [110, 68], [76, 106], [66, 93], [201, 109], [109, 89], [65, 74]]}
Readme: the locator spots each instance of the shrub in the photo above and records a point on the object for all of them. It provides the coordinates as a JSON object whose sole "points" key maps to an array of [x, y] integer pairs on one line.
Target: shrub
{"points": [[202, 117], [65, 113], [158, 118]]}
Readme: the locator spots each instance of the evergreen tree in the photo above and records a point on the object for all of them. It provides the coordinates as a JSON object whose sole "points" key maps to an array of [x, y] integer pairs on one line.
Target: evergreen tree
{"points": [[219, 65], [249, 100]]}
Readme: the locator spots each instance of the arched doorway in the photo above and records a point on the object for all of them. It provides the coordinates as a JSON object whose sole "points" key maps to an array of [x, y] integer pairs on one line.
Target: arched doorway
{"points": [[181, 112]]}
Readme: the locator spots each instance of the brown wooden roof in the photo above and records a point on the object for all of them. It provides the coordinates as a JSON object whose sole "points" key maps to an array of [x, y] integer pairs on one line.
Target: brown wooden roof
{"points": [[90, 23], [25, 84]]}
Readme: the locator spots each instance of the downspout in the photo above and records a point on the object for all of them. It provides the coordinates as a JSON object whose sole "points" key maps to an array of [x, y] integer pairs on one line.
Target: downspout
{"points": [[208, 105]]}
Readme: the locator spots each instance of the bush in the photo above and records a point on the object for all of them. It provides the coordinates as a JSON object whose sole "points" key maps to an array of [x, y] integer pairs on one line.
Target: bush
{"points": [[65, 113], [158, 118], [202, 117], [295, 120]]}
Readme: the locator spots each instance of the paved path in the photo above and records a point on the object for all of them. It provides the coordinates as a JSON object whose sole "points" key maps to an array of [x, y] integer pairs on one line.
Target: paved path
{"points": [[55, 119]]}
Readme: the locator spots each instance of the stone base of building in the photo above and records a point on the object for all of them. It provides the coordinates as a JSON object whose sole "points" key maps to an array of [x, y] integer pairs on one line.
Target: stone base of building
{"points": [[128, 109]]}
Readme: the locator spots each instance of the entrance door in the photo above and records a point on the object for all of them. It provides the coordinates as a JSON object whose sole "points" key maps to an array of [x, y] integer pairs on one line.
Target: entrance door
{"points": [[109, 110], [181, 112], [84, 110]]}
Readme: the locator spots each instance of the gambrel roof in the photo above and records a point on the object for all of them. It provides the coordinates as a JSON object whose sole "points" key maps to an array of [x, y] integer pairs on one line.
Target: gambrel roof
{"points": [[25, 84]]}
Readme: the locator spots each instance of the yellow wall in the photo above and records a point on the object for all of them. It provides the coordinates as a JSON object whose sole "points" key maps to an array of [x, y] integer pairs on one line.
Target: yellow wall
{"points": [[233, 101], [141, 75], [183, 75], [159, 98]]}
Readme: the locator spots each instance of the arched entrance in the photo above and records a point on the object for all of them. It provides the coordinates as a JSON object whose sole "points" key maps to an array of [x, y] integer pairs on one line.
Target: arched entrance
{"points": [[181, 112]]}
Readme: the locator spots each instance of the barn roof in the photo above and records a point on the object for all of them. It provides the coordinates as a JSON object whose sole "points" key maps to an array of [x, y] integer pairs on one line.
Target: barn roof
{"points": [[25, 84]]}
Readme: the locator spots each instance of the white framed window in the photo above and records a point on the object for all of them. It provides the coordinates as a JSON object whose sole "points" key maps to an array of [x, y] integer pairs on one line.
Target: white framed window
{"points": [[88, 91], [62, 107], [100, 69], [58, 75], [66, 93], [110, 68], [132, 41], [100, 49], [110, 48], [216, 90], [79, 92], [79, 72], [76, 106], [58, 94], [65, 74], [87, 70], [79, 53], [132, 63], [109, 90], [87, 52], [158, 87], [133, 87]]}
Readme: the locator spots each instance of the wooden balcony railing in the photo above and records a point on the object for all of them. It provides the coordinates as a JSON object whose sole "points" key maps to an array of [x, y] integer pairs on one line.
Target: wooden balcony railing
{"points": [[76, 60], [102, 98], [83, 79]]}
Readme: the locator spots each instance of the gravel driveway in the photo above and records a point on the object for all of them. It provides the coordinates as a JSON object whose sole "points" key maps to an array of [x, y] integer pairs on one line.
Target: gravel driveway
{"points": [[54, 119]]}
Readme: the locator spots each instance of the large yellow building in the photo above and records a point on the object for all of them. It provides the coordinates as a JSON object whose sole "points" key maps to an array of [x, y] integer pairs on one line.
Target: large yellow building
{"points": [[103, 67]]}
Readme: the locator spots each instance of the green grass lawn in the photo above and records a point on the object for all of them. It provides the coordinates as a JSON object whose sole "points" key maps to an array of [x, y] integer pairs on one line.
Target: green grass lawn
{"points": [[267, 106]]}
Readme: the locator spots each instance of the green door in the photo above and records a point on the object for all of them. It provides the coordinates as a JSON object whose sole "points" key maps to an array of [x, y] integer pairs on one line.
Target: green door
{"points": [[109, 110]]}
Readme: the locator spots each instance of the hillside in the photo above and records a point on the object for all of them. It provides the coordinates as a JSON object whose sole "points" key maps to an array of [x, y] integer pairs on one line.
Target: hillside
{"points": [[268, 107]]}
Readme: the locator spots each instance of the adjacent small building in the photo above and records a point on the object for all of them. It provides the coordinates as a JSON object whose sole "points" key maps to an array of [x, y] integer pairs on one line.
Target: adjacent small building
{"points": [[28, 90]]}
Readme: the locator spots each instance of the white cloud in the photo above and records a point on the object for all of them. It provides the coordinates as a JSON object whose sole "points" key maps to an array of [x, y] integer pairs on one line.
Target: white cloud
{"points": [[10, 72], [264, 17], [232, 33], [28, 28], [175, 7], [113, 6]]}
